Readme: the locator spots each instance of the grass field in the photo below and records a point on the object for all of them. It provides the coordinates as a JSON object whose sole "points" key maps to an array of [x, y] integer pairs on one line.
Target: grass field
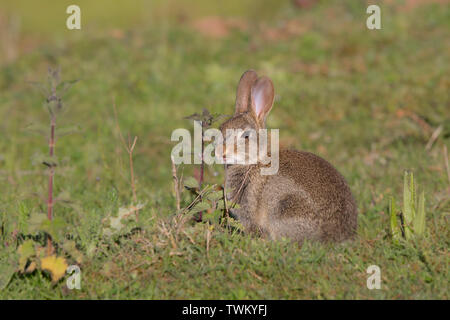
{"points": [[368, 101]]}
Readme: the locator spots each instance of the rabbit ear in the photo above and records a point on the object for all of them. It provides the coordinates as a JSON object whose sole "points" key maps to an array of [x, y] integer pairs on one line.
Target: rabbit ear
{"points": [[243, 90], [262, 94]]}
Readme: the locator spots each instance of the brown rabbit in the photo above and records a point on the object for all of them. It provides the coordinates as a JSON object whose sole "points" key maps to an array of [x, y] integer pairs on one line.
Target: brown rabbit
{"points": [[306, 199]]}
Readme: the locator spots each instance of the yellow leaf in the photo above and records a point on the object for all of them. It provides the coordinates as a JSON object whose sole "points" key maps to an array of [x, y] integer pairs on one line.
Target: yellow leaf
{"points": [[56, 265]]}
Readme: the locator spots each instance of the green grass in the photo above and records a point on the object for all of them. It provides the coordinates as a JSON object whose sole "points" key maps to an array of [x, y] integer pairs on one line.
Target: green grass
{"points": [[342, 91]]}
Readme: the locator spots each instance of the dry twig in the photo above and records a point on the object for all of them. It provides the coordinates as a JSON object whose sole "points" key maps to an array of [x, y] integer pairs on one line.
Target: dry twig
{"points": [[433, 137]]}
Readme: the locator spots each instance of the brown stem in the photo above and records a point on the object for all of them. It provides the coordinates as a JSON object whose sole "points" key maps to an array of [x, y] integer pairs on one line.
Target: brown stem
{"points": [[130, 154], [176, 184], [133, 187], [202, 169], [50, 200], [202, 165], [52, 169]]}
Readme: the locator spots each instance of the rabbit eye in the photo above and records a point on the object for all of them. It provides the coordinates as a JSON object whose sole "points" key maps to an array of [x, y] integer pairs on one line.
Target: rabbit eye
{"points": [[246, 135]]}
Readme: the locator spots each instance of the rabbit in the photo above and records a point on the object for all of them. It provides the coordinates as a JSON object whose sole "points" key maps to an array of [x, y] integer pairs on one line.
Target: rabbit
{"points": [[306, 199]]}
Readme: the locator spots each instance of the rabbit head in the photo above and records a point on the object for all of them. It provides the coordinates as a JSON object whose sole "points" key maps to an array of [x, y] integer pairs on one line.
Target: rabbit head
{"points": [[254, 100]]}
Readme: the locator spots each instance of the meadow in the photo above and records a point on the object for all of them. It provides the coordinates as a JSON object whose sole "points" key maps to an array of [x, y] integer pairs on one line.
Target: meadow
{"points": [[372, 102]]}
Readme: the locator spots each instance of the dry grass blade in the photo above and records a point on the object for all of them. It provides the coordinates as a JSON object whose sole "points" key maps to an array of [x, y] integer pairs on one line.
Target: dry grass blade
{"points": [[129, 147], [433, 137]]}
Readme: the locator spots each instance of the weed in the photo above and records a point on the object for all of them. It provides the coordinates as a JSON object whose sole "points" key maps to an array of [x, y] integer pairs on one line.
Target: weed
{"points": [[412, 217]]}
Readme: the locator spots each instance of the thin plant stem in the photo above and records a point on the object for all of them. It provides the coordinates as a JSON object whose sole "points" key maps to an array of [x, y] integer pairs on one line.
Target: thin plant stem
{"points": [[202, 165], [130, 154], [176, 184], [52, 169], [202, 169], [51, 175]]}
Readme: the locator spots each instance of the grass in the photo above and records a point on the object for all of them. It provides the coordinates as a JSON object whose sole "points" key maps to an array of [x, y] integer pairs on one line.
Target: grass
{"points": [[368, 101]]}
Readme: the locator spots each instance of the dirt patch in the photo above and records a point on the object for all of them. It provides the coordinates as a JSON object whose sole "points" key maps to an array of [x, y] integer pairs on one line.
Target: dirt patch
{"points": [[218, 27], [287, 30]]}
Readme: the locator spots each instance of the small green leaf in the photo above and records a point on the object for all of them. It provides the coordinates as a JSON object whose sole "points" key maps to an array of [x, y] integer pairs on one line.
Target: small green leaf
{"points": [[67, 130], [201, 206], [191, 183], [419, 221], [220, 205], [236, 225], [55, 228], [194, 116], [37, 128], [413, 191], [395, 230], [63, 196], [233, 205], [408, 207], [116, 223], [39, 158], [8, 265], [35, 222], [214, 195], [91, 249], [23, 217], [413, 209], [26, 250], [65, 85]]}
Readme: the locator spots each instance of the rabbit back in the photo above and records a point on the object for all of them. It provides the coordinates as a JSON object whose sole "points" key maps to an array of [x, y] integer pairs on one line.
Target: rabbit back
{"points": [[307, 199]]}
